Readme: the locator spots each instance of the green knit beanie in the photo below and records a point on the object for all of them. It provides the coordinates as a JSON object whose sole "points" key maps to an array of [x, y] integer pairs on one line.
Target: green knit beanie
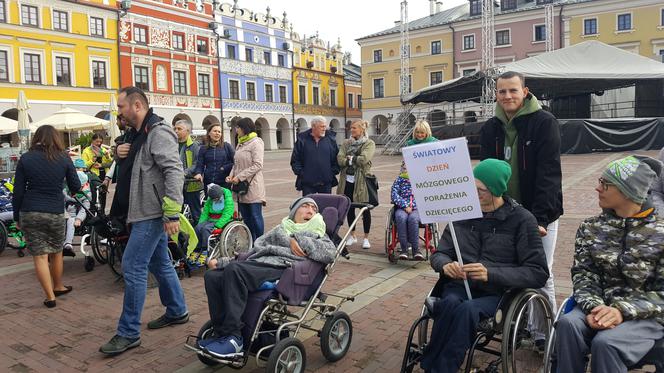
{"points": [[495, 174]]}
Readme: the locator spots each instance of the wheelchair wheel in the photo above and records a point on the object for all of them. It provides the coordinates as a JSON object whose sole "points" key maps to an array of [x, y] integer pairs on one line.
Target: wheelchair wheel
{"points": [[115, 257], [99, 250], [4, 237], [516, 322], [235, 239], [336, 336], [206, 332], [390, 237], [288, 355]]}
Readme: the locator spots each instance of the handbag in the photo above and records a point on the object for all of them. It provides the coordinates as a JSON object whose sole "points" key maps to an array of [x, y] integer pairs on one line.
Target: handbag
{"points": [[241, 188], [372, 189]]}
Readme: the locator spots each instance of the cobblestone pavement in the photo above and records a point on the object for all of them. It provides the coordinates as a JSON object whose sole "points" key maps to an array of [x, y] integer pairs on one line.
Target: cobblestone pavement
{"points": [[388, 297]]}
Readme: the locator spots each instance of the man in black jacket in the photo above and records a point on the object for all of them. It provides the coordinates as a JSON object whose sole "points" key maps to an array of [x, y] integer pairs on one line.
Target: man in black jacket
{"points": [[501, 250], [314, 159], [528, 138]]}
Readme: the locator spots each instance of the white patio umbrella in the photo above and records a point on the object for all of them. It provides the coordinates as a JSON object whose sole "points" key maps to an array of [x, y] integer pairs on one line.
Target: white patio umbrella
{"points": [[7, 126], [23, 120], [69, 119], [113, 130]]}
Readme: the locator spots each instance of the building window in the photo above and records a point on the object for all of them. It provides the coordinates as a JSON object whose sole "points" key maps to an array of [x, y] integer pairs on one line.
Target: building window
{"points": [[96, 26], [475, 7], [540, 33], [350, 100], [467, 72], [3, 11], [508, 4], [359, 101], [230, 52], [99, 74], [410, 83], [248, 54], [436, 77], [540, 2], [503, 37], [267, 57], [590, 26], [4, 66], [32, 68], [624, 22], [140, 34], [180, 82], [302, 90], [234, 89], [379, 88], [29, 15], [142, 77], [281, 60], [316, 99], [661, 57], [436, 47], [204, 85], [178, 41], [62, 71], [251, 91], [282, 94], [468, 42], [202, 46], [333, 97], [661, 17], [269, 93], [378, 55], [60, 20]]}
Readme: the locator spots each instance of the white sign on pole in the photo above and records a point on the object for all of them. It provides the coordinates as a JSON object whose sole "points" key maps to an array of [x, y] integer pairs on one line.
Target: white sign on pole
{"points": [[442, 180]]}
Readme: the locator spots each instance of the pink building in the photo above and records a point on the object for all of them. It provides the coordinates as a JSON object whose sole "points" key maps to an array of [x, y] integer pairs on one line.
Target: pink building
{"points": [[520, 33]]}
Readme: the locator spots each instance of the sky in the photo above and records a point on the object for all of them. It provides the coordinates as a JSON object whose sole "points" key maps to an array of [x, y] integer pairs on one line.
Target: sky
{"points": [[345, 19]]}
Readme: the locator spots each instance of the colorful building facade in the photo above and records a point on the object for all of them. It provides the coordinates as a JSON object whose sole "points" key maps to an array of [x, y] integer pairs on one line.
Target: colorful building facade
{"points": [[318, 83], [353, 89], [60, 53], [168, 49], [256, 63]]}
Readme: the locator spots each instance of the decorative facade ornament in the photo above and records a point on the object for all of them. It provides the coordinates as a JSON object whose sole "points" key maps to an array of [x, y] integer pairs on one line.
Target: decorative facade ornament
{"points": [[125, 28], [319, 110], [253, 69], [159, 37], [256, 106], [162, 83], [191, 43]]}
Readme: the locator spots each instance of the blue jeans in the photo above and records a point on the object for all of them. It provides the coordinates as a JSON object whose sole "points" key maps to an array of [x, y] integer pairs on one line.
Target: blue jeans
{"points": [[147, 248], [454, 328], [193, 200], [252, 215], [408, 229]]}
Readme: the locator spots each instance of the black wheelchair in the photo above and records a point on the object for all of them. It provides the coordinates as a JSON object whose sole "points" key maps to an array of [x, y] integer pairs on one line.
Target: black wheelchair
{"points": [[655, 357], [507, 328]]}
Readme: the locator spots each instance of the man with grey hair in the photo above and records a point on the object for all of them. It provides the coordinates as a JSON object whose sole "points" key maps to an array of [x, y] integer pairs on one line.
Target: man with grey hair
{"points": [[188, 149], [314, 159]]}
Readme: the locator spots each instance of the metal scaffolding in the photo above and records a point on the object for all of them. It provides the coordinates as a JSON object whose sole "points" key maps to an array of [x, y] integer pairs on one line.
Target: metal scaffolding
{"points": [[404, 82], [488, 59], [548, 26]]}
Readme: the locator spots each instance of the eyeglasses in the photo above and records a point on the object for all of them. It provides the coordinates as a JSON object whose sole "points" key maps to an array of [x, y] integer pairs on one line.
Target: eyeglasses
{"points": [[482, 191], [604, 183]]}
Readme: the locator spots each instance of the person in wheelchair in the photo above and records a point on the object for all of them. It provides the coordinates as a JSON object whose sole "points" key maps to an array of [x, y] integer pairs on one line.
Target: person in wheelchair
{"points": [[500, 251], [300, 235], [618, 275], [217, 212], [75, 214], [406, 216]]}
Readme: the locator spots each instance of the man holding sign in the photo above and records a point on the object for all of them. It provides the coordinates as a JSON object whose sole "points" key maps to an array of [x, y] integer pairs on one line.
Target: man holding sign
{"points": [[500, 250]]}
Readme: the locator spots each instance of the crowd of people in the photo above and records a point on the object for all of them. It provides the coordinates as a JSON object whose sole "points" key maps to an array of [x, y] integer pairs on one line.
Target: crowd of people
{"points": [[618, 269]]}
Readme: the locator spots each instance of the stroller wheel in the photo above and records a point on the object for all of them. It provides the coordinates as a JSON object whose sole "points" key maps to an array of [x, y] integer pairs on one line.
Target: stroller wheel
{"points": [[288, 355], [206, 332], [89, 263], [336, 336]]}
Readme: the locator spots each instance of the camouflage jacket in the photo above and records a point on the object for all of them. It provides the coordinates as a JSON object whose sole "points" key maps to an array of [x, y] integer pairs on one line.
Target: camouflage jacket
{"points": [[620, 262]]}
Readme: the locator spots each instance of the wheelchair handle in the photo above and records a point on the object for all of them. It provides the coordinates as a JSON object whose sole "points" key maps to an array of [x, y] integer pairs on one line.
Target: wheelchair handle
{"points": [[361, 205]]}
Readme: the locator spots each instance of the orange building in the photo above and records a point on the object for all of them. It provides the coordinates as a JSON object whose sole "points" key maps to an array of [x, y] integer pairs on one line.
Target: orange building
{"points": [[168, 49]]}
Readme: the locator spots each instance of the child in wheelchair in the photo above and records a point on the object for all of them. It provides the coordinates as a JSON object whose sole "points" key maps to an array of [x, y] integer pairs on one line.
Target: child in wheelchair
{"points": [[216, 213], [500, 251], [406, 216], [75, 214]]}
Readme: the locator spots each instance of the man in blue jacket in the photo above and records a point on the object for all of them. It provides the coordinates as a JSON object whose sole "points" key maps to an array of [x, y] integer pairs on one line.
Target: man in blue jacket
{"points": [[314, 159]]}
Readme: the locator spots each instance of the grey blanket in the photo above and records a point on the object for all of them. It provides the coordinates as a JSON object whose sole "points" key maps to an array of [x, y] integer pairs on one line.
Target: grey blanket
{"points": [[274, 248]]}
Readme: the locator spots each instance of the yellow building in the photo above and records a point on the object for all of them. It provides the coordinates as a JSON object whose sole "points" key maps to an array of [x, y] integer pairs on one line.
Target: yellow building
{"points": [[431, 62], [318, 83], [636, 26], [60, 53]]}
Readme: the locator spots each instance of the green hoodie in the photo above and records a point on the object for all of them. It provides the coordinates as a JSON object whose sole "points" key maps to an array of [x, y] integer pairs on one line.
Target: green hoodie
{"points": [[530, 105], [414, 141]]}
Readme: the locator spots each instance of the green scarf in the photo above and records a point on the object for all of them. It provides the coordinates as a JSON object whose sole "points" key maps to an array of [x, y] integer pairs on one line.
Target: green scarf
{"points": [[414, 141], [314, 225], [245, 138], [404, 175]]}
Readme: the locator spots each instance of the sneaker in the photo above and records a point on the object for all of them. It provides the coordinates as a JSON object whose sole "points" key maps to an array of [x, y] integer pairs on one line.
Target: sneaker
{"points": [[403, 256], [68, 250], [365, 244], [119, 344], [164, 321], [418, 256], [225, 347], [202, 343], [350, 241]]}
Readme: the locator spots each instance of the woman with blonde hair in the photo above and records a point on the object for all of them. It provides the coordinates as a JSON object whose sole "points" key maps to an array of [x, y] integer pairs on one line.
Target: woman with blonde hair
{"points": [[421, 133], [354, 158]]}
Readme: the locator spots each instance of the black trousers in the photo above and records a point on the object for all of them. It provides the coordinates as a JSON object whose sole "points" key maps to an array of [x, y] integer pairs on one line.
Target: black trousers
{"points": [[319, 188], [227, 291], [366, 215]]}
